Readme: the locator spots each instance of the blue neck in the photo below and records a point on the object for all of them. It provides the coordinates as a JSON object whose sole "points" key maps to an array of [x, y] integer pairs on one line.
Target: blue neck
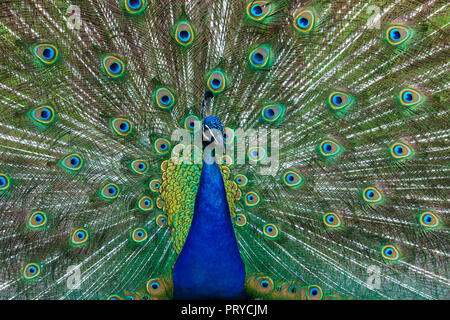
{"points": [[209, 265]]}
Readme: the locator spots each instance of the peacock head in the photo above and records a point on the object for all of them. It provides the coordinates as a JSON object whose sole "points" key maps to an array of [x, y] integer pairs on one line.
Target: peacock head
{"points": [[212, 132]]}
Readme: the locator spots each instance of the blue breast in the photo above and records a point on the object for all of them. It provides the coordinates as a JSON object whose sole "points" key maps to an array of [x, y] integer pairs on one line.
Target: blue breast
{"points": [[209, 265]]}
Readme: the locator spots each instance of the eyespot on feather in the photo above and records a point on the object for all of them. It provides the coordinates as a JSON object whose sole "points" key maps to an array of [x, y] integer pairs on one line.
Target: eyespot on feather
{"points": [[139, 235], [31, 271], [72, 162], [161, 220], [401, 151], [271, 231], [314, 292], [292, 179], [46, 53], [241, 180], [398, 34], [109, 191], [154, 185], [252, 199], [216, 81], [145, 204], [113, 66], [164, 98], [272, 113], [139, 166], [339, 100], [5, 182], [259, 10], [330, 148], [184, 33], [241, 220], [79, 237], [121, 126], [37, 220], [43, 114], [390, 253], [429, 220], [162, 146], [304, 20], [410, 97], [372, 195], [135, 6], [332, 220]]}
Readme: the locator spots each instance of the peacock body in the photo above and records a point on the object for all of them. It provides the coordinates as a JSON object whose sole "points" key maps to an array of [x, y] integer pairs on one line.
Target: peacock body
{"points": [[339, 193]]}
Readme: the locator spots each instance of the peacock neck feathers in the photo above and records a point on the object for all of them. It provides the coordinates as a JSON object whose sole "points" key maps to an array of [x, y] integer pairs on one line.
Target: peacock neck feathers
{"points": [[209, 265]]}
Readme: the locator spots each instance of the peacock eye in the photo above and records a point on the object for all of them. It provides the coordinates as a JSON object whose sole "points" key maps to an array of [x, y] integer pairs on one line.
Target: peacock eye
{"points": [[372, 195], [390, 253], [401, 151], [256, 153], [228, 136], [72, 162], [330, 148], [44, 114], [46, 53], [241, 180], [227, 160], [161, 220], [398, 34], [121, 126], [155, 287], [184, 33], [109, 191], [332, 220], [430, 220], [272, 113], [4, 182], [139, 235], [270, 230], [154, 185], [192, 123], [260, 57], [293, 289], [339, 100], [216, 82], [410, 97], [139, 166], [251, 199], [314, 293], [241, 220], [304, 20], [37, 220], [113, 66], [79, 236], [135, 6], [162, 146], [165, 99], [292, 179], [264, 284], [145, 204], [258, 10], [114, 297], [31, 271]]}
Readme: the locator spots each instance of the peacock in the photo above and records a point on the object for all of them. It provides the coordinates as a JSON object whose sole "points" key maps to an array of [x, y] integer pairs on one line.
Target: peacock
{"points": [[224, 149]]}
